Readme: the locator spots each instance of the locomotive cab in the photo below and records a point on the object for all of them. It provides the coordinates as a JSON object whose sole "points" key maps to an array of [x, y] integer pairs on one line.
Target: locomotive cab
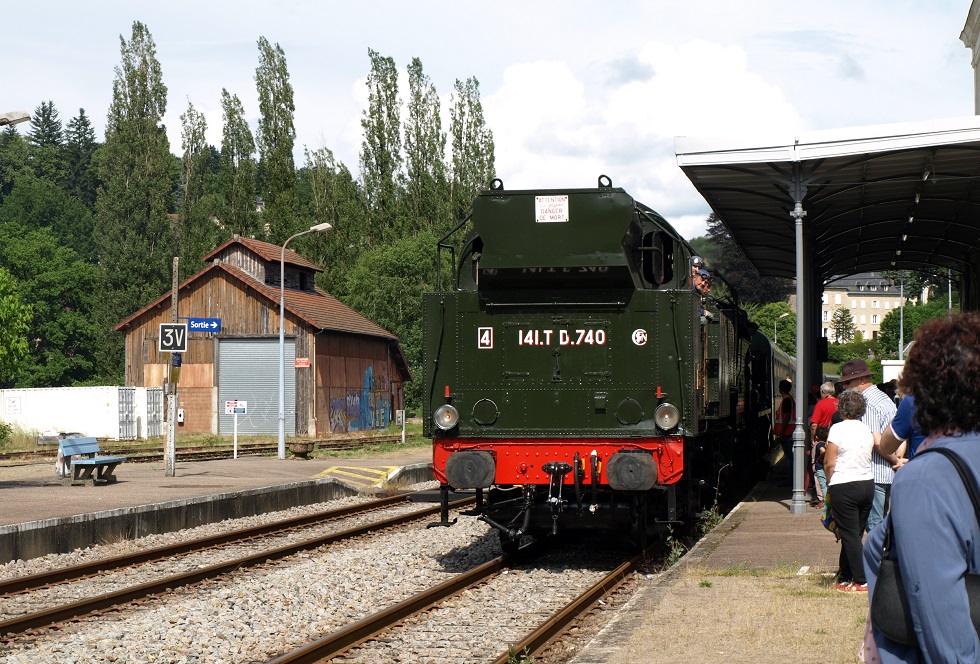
{"points": [[572, 378]]}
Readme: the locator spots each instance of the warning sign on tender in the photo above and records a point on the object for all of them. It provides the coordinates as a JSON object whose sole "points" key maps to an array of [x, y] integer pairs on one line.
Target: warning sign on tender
{"points": [[550, 209]]}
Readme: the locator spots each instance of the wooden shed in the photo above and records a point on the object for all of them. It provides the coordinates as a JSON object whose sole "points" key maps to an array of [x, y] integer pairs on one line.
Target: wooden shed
{"points": [[343, 372]]}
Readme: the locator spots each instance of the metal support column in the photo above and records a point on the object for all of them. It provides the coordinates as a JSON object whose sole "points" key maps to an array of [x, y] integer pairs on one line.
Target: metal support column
{"points": [[799, 435]]}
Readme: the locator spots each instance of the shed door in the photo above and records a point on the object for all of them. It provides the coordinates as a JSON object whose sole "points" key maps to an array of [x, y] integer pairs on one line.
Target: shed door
{"points": [[248, 370]]}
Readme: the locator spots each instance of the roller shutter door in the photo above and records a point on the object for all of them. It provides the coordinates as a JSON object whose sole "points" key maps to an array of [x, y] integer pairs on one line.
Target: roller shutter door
{"points": [[248, 370]]}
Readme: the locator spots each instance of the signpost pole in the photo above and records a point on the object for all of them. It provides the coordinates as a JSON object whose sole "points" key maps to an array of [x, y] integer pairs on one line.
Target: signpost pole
{"points": [[235, 438], [170, 450]]}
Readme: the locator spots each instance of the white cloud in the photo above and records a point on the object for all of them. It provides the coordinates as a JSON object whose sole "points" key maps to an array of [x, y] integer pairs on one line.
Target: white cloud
{"points": [[554, 128]]}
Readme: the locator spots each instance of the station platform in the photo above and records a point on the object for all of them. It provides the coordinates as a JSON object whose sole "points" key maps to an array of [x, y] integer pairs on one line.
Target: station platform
{"points": [[38, 515], [758, 588]]}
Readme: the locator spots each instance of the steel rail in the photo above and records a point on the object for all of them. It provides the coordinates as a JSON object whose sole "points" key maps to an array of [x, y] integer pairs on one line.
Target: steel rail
{"points": [[549, 630], [42, 579], [110, 600], [342, 640]]}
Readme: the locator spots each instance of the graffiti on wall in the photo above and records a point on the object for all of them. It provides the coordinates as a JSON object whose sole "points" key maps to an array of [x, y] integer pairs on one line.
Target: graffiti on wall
{"points": [[363, 409]]}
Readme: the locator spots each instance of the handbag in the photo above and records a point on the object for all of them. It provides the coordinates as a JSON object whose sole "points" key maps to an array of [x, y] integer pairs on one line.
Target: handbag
{"points": [[827, 518], [889, 603]]}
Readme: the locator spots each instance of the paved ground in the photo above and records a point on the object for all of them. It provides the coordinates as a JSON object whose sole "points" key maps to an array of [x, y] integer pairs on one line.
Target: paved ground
{"points": [[33, 492]]}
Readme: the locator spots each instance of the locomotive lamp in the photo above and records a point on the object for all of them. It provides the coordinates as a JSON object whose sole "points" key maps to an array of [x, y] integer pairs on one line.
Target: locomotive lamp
{"points": [[667, 416], [446, 417]]}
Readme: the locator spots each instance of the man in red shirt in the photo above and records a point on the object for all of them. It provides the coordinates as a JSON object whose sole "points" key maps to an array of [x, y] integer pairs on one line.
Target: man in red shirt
{"points": [[825, 408], [823, 412]]}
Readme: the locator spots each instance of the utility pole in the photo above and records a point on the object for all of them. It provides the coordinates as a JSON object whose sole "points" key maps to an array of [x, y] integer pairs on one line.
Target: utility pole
{"points": [[170, 451]]}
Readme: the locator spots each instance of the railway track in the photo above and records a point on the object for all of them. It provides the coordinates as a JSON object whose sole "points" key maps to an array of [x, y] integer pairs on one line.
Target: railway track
{"points": [[443, 609], [55, 613], [202, 453]]}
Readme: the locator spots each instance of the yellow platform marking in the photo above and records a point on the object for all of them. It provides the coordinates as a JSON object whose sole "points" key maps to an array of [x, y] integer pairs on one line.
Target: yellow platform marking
{"points": [[367, 477]]}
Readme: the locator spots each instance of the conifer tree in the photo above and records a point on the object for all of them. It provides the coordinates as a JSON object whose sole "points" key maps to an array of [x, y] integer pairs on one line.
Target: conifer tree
{"points": [[81, 176], [45, 139], [133, 231]]}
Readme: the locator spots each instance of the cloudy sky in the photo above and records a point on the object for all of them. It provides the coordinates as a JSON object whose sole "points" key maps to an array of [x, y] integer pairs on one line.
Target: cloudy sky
{"points": [[571, 89]]}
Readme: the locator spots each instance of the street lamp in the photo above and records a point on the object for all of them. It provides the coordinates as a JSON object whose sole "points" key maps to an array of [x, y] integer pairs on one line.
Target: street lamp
{"points": [[282, 334], [774, 328], [13, 118]]}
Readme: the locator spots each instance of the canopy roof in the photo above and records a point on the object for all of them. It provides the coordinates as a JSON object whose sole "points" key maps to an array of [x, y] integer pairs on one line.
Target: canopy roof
{"points": [[885, 197]]}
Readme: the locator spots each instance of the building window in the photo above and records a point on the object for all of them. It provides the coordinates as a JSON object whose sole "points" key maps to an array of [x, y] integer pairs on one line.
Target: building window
{"points": [[864, 319], [837, 298], [874, 287], [854, 304], [887, 304], [874, 319], [874, 304], [826, 316], [864, 304], [823, 298], [896, 305]]}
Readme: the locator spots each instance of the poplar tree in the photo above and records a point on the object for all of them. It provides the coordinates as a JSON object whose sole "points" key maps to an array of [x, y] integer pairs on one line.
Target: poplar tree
{"points": [[237, 168], [425, 152], [276, 136], [380, 159], [472, 144], [81, 175], [134, 235], [332, 198], [196, 233]]}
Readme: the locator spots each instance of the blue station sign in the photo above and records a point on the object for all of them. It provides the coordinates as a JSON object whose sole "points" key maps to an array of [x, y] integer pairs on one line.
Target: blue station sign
{"points": [[204, 325]]}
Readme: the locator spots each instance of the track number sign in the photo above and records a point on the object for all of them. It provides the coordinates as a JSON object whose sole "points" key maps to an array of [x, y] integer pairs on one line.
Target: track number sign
{"points": [[173, 337]]}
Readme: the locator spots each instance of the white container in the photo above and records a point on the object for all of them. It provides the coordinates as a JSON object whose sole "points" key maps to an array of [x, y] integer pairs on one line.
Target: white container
{"points": [[91, 411]]}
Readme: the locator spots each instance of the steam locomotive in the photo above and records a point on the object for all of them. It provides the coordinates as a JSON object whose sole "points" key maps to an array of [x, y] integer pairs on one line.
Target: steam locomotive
{"points": [[574, 377]]}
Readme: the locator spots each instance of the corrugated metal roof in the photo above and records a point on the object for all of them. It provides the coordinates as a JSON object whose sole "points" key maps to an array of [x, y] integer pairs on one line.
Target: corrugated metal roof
{"points": [[885, 197]]}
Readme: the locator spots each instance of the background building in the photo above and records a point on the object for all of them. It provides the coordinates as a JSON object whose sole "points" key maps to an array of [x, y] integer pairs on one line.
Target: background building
{"points": [[869, 297], [343, 371]]}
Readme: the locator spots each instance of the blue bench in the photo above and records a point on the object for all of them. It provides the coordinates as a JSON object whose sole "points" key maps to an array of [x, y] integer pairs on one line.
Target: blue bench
{"points": [[90, 467]]}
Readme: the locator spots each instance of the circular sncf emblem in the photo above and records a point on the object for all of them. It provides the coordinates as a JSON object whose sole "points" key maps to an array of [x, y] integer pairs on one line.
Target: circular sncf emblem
{"points": [[640, 337]]}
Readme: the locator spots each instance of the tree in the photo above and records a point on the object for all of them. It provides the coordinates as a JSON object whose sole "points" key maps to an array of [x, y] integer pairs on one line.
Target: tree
{"points": [[133, 231], [39, 203], [62, 289], [237, 169], [386, 285], [15, 318], [842, 325], [722, 254], [472, 143], [196, 232], [330, 195], [903, 322], [81, 174], [45, 138], [13, 160], [380, 158], [771, 316], [276, 136], [425, 150]]}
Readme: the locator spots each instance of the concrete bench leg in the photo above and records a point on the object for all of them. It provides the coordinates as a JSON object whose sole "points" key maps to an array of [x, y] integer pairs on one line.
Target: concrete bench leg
{"points": [[105, 473], [81, 475]]}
